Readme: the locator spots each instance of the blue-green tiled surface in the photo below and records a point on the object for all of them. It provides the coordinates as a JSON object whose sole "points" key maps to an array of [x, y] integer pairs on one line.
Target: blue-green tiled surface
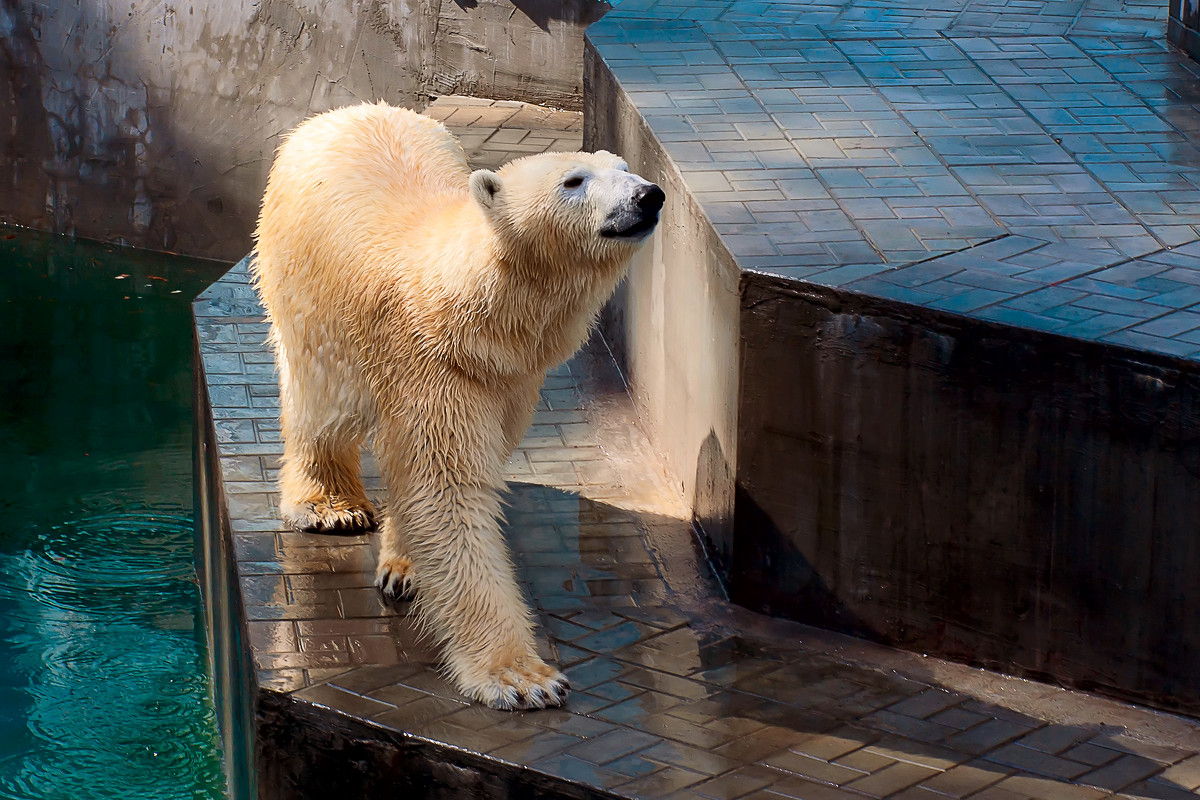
{"points": [[1031, 163]]}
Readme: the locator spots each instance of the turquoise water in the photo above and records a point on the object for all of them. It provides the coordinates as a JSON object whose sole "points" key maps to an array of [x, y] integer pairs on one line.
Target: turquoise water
{"points": [[104, 690]]}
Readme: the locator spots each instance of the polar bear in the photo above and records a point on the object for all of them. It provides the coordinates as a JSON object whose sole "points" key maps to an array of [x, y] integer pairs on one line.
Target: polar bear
{"points": [[417, 305]]}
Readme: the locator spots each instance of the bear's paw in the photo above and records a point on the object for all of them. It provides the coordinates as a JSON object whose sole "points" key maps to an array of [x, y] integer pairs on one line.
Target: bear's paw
{"points": [[394, 578], [520, 687], [329, 517]]}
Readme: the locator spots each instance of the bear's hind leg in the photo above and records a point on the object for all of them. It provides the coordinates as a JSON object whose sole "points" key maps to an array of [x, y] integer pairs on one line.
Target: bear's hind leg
{"points": [[321, 487], [320, 482]]}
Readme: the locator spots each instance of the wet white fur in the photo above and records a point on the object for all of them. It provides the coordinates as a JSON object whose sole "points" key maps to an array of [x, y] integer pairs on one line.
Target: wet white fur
{"points": [[418, 306]]}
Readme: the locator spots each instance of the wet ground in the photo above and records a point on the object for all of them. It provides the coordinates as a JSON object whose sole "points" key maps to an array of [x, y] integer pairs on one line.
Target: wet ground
{"points": [[676, 693]]}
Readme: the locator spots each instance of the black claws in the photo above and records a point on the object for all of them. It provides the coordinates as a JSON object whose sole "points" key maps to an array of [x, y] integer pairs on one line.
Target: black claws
{"points": [[362, 521], [354, 526], [395, 591], [538, 697]]}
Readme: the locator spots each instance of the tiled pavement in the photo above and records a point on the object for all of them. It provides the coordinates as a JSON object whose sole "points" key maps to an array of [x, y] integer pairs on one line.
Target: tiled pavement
{"points": [[677, 694], [1033, 163], [495, 131]]}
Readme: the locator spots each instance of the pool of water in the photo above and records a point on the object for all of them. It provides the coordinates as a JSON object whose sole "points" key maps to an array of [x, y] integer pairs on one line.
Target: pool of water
{"points": [[104, 684]]}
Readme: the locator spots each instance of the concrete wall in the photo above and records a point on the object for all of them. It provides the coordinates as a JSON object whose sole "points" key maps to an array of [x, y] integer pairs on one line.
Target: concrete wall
{"points": [[673, 323], [529, 50], [1002, 497], [1183, 25], [234, 687], [154, 125]]}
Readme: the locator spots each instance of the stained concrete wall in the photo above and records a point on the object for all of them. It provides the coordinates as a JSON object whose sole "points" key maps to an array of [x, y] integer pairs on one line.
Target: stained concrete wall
{"points": [[673, 323], [529, 50], [154, 125], [1003, 497], [1183, 26]]}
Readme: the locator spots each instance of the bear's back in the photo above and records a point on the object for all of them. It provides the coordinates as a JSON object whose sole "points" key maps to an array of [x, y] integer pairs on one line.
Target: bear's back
{"points": [[364, 151], [347, 186]]}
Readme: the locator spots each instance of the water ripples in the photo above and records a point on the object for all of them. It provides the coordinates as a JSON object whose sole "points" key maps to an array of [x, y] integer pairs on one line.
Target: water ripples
{"points": [[99, 620], [110, 561]]}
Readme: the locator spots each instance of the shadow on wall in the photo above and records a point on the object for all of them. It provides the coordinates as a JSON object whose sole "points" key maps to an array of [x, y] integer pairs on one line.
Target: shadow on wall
{"points": [[785, 578], [156, 127], [712, 513], [26, 143], [544, 12]]}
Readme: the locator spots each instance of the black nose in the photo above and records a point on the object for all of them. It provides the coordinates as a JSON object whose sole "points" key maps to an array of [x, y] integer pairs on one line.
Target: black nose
{"points": [[650, 197]]}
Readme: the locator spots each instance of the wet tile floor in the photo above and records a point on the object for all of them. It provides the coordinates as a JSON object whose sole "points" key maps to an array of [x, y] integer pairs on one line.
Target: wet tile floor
{"points": [[1031, 163], [676, 693]]}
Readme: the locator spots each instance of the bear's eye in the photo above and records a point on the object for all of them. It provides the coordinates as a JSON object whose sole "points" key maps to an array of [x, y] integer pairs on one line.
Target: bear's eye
{"points": [[573, 182]]}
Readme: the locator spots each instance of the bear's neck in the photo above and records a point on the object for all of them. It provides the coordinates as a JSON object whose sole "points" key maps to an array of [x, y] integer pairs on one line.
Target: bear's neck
{"points": [[523, 313]]}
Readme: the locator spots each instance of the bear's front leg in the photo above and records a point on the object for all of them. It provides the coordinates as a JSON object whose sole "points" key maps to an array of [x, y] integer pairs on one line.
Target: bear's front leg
{"points": [[466, 586], [394, 574]]}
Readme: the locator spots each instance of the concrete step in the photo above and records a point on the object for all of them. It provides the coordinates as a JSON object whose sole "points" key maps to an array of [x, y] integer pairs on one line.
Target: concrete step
{"points": [[919, 336]]}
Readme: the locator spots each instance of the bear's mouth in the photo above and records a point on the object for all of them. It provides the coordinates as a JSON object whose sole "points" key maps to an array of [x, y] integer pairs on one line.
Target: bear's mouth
{"points": [[635, 231]]}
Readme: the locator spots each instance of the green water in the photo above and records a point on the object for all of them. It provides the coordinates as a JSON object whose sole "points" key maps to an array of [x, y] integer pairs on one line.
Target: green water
{"points": [[104, 690]]}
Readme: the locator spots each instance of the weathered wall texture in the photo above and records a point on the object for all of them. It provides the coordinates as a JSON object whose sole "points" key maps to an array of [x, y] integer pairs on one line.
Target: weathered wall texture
{"points": [[673, 323], [1007, 498], [154, 124], [1183, 26], [530, 50]]}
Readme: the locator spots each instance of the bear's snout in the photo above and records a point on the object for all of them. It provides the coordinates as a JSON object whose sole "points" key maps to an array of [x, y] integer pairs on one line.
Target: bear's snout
{"points": [[636, 213], [650, 198]]}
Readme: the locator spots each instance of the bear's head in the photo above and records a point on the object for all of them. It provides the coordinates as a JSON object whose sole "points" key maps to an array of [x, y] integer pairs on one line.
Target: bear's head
{"points": [[569, 205]]}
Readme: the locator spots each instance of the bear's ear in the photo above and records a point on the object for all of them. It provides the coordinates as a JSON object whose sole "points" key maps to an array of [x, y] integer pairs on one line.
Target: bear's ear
{"points": [[485, 186]]}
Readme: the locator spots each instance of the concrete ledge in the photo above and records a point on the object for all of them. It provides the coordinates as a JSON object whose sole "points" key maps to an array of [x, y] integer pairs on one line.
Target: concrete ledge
{"points": [[676, 692], [235, 688], [310, 751], [891, 241]]}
